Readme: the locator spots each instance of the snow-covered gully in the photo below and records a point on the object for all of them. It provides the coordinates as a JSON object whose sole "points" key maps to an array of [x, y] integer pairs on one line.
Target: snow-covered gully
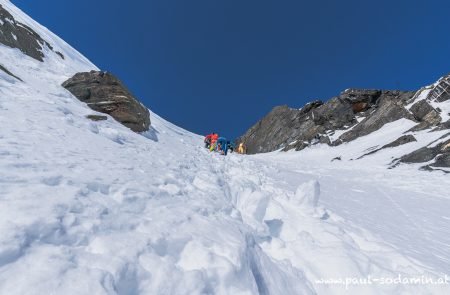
{"points": [[90, 207]]}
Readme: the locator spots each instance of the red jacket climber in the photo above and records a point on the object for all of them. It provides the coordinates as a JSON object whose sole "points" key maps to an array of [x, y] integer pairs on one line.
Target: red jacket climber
{"points": [[207, 140], [214, 138]]}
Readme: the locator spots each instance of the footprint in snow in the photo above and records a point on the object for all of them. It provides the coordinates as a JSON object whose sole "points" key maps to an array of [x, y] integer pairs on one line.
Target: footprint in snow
{"points": [[52, 181]]}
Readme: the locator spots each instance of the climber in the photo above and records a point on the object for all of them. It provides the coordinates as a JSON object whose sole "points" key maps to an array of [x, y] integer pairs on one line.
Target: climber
{"points": [[214, 138], [222, 145], [231, 146], [241, 148], [207, 140], [446, 147]]}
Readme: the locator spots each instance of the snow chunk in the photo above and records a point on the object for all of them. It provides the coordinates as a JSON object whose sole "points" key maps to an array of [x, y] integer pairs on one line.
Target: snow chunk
{"points": [[307, 194]]}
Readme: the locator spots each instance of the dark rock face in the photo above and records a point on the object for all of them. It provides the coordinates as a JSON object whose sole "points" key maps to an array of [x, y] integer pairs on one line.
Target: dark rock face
{"points": [[440, 153], [2, 68], [278, 127], [442, 161], [389, 108], [367, 96], [334, 114], [311, 106], [97, 118], [297, 129], [356, 113], [422, 155], [443, 126], [420, 109], [290, 128], [104, 93], [398, 142], [425, 114], [17, 35], [359, 107]]}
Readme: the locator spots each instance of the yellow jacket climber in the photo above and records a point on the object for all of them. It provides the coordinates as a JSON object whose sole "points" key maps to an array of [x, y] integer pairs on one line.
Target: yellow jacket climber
{"points": [[446, 147], [241, 148]]}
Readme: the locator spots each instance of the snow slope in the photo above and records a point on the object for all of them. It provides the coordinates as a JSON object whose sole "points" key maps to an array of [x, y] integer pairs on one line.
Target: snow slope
{"points": [[93, 208]]}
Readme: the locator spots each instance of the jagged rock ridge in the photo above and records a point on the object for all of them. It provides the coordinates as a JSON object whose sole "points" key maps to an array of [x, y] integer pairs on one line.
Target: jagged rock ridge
{"points": [[15, 34], [351, 115], [289, 128]]}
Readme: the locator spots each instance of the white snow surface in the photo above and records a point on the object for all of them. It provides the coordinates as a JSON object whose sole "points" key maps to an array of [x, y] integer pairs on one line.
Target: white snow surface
{"points": [[93, 208]]}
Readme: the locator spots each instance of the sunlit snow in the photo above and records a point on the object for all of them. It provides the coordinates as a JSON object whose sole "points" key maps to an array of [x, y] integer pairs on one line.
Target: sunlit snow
{"points": [[93, 208]]}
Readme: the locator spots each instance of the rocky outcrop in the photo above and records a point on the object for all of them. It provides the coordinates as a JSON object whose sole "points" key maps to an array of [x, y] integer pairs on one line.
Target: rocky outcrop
{"points": [[398, 142], [425, 114], [439, 154], [442, 161], [289, 128], [286, 128], [360, 112], [388, 108], [104, 93], [279, 126], [421, 109], [334, 114], [443, 126], [361, 99], [18, 35]]}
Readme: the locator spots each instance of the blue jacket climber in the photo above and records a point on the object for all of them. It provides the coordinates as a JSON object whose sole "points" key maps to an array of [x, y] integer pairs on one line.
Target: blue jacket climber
{"points": [[222, 145]]}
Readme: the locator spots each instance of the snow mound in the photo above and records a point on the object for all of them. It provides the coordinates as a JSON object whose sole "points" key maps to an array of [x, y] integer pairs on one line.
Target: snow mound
{"points": [[307, 194]]}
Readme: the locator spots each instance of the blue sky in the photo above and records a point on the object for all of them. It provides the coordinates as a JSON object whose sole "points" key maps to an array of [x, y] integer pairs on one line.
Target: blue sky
{"points": [[210, 65]]}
